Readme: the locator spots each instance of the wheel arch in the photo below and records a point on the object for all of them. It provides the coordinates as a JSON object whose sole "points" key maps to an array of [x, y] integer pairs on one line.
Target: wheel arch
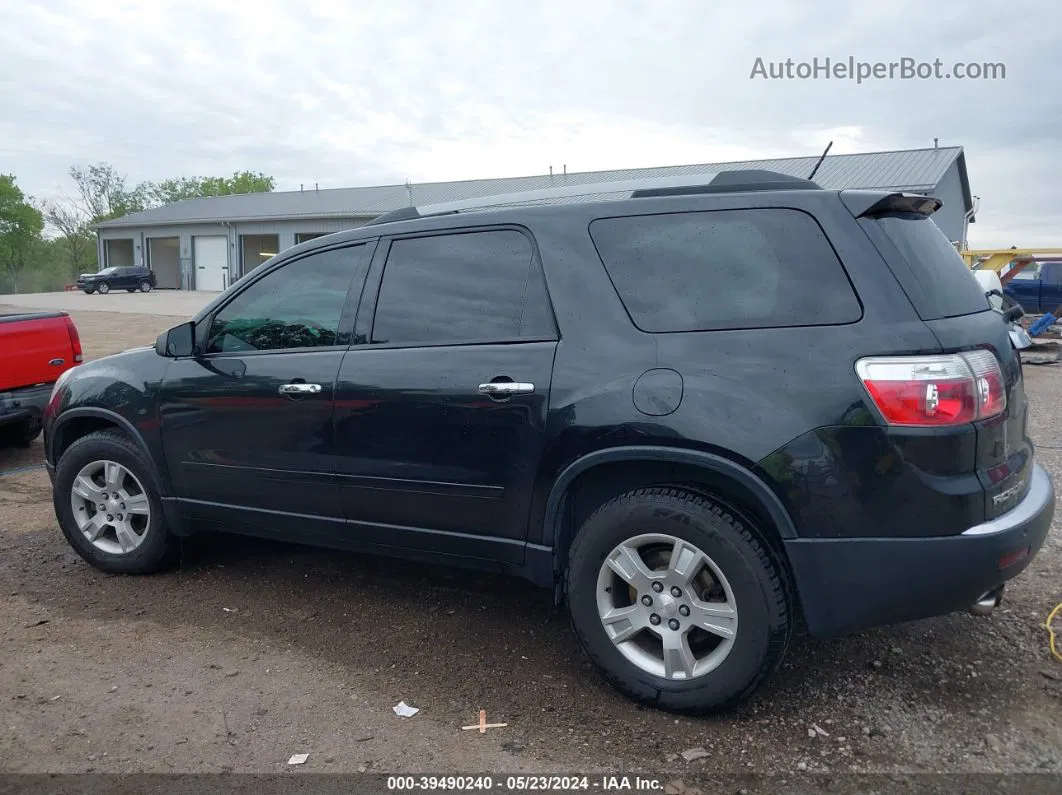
{"points": [[77, 423], [609, 472]]}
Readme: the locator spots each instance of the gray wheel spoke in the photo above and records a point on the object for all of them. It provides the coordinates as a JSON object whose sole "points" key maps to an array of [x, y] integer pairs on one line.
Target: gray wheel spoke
{"points": [[137, 504], [686, 561], [127, 539], [628, 564], [113, 474], [94, 527], [679, 661], [84, 487], [718, 619], [623, 623]]}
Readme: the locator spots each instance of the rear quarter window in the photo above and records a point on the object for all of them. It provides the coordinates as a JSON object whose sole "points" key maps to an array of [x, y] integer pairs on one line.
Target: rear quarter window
{"points": [[725, 269], [928, 267]]}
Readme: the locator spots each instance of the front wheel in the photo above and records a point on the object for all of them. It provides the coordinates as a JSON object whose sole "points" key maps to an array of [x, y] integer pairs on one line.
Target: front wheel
{"points": [[130, 289], [103, 288], [109, 508], [677, 601]]}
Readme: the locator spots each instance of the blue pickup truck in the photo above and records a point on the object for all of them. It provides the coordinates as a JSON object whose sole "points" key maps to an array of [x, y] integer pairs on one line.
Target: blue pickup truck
{"points": [[1038, 287]]}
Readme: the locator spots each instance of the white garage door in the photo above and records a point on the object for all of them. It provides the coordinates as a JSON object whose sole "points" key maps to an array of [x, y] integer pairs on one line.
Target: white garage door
{"points": [[211, 263]]}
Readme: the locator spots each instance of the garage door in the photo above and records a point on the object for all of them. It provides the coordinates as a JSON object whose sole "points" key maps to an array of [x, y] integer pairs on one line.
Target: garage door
{"points": [[164, 257], [211, 262]]}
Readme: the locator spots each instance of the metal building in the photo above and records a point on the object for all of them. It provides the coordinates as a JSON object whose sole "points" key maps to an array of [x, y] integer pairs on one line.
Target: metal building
{"points": [[206, 244]]}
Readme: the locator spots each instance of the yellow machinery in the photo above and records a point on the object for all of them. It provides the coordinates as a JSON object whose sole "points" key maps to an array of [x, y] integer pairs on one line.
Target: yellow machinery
{"points": [[997, 259]]}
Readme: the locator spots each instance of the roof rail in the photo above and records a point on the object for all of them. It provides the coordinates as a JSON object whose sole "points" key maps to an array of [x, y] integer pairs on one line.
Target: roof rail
{"points": [[734, 182], [646, 187]]}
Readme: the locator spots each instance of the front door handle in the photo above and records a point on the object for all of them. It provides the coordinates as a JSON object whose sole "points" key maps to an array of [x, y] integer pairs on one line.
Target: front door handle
{"points": [[506, 388], [300, 389]]}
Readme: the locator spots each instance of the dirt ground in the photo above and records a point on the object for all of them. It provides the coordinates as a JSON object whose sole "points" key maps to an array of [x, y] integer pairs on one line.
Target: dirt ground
{"points": [[254, 651]]}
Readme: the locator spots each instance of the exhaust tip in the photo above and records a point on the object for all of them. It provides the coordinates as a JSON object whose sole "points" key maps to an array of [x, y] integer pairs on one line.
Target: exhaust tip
{"points": [[987, 602]]}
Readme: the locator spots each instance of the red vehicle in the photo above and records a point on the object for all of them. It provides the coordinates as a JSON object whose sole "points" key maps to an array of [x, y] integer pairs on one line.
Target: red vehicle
{"points": [[35, 349]]}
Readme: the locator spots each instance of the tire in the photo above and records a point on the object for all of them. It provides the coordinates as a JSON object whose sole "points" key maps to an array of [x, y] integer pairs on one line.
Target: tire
{"points": [[130, 289], [145, 286], [158, 548], [88, 292], [103, 288], [20, 434], [753, 584]]}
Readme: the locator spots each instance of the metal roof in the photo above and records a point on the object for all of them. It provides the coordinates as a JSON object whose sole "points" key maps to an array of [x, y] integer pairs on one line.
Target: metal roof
{"points": [[910, 170]]}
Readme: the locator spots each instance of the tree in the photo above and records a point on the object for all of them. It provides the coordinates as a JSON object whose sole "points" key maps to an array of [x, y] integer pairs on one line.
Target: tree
{"points": [[103, 195], [179, 188], [21, 225], [80, 249]]}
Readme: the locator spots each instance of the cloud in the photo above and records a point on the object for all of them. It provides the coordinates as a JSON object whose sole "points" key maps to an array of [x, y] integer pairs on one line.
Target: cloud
{"points": [[383, 90]]}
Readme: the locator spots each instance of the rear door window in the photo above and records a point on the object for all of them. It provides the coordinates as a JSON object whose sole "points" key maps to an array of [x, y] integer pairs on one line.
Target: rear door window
{"points": [[725, 269], [928, 267], [474, 287]]}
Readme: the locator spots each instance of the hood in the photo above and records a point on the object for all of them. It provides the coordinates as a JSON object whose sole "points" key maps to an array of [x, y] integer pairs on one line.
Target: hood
{"points": [[86, 276]]}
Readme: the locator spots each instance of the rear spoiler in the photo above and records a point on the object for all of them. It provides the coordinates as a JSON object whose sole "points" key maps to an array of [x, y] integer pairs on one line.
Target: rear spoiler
{"points": [[872, 204]]}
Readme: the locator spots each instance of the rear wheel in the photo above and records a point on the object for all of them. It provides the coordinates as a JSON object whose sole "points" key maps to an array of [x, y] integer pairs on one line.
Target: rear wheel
{"points": [[103, 288], [109, 508], [130, 289], [145, 286], [678, 602]]}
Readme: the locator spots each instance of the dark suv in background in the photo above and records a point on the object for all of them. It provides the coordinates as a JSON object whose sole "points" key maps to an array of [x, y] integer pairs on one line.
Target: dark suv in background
{"points": [[700, 413], [129, 279]]}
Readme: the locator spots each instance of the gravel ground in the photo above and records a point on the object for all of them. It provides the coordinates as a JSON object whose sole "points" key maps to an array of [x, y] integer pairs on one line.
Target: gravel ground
{"points": [[253, 651]]}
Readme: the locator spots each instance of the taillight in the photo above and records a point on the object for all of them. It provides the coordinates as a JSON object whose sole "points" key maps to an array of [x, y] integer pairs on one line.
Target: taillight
{"points": [[75, 339], [949, 389]]}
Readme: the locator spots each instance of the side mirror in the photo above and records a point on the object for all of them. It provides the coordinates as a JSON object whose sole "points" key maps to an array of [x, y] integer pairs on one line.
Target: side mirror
{"points": [[178, 341]]}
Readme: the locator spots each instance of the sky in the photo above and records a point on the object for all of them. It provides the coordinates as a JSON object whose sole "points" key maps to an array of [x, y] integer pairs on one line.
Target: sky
{"points": [[364, 92]]}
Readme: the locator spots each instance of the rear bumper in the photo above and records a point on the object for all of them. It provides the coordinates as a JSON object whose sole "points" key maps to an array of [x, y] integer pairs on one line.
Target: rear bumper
{"points": [[851, 584], [23, 404]]}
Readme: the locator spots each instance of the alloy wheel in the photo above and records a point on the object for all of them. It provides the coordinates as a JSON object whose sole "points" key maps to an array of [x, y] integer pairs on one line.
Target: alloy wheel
{"points": [[667, 607], [111, 507]]}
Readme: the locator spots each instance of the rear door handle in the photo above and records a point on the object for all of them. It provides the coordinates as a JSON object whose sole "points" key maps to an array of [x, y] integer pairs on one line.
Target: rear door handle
{"points": [[506, 388], [300, 389]]}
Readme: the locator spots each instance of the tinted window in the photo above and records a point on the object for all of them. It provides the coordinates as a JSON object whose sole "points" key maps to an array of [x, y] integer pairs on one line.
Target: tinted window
{"points": [[297, 306], [473, 287], [943, 281], [725, 269]]}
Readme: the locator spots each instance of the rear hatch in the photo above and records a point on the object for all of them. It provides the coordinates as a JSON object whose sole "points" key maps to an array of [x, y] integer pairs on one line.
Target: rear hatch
{"points": [[35, 348], [953, 305]]}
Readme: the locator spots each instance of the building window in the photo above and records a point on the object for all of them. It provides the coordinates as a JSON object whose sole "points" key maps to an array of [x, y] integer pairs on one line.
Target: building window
{"points": [[118, 253], [256, 249]]}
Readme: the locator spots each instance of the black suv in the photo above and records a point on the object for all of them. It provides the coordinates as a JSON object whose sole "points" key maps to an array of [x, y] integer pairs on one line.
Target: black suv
{"points": [[700, 413], [130, 279]]}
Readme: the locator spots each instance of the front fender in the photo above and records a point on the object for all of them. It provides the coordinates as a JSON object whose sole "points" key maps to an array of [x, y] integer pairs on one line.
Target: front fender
{"points": [[121, 391]]}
